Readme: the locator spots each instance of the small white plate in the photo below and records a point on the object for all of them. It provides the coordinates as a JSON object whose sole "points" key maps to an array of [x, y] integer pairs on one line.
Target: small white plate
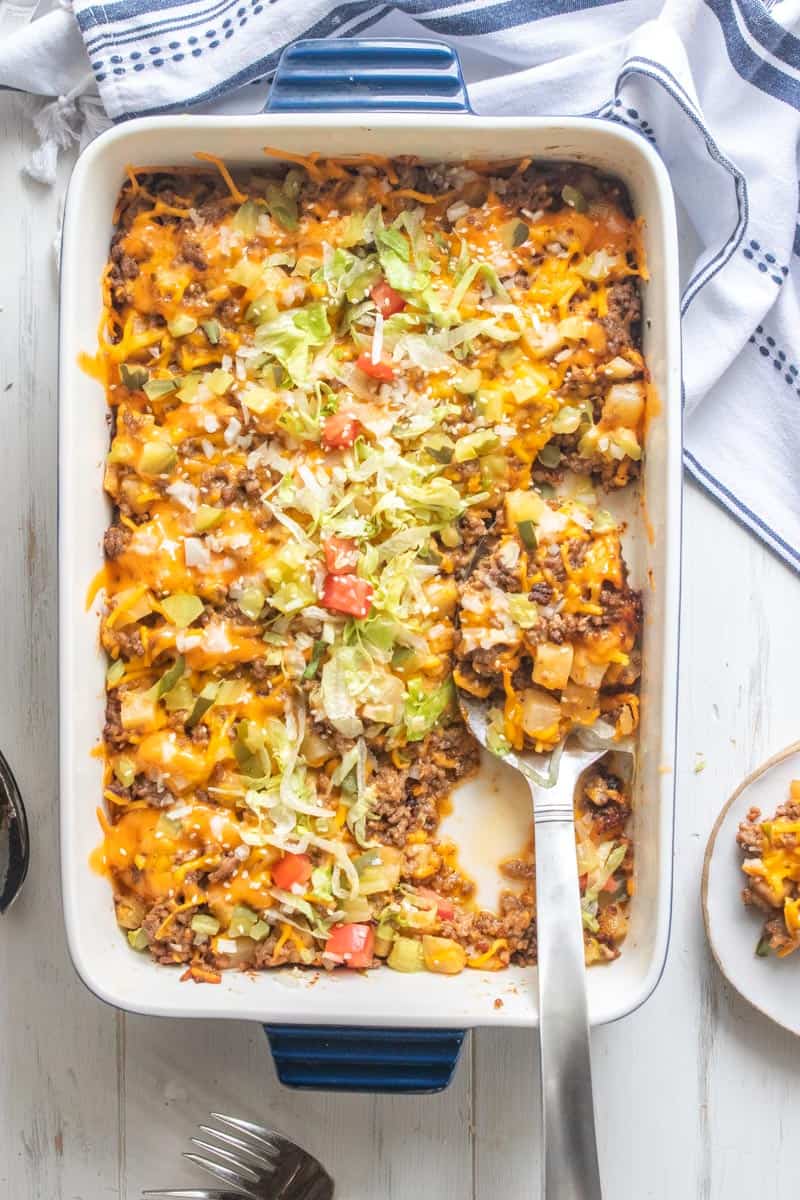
{"points": [[772, 985]]}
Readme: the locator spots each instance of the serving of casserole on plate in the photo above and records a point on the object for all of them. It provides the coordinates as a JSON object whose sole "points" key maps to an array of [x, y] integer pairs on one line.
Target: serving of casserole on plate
{"points": [[377, 425], [750, 887]]}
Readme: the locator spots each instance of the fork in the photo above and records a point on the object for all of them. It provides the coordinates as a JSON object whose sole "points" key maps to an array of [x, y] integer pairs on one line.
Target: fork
{"points": [[259, 1163], [570, 1167]]}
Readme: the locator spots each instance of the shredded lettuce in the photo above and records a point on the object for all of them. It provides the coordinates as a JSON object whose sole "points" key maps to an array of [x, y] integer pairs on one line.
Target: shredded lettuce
{"points": [[496, 740], [292, 335], [424, 706], [341, 677]]}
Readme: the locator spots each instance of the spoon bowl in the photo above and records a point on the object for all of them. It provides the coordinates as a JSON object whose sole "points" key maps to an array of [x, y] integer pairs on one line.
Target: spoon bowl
{"points": [[14, 838]]}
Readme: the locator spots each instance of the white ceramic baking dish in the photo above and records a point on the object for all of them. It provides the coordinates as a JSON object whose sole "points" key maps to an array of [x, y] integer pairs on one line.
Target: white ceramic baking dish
{"points": [[491, 815]]}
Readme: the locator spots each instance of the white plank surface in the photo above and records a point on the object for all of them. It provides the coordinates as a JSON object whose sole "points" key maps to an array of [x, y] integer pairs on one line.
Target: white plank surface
{"points": [[696, 1094]]}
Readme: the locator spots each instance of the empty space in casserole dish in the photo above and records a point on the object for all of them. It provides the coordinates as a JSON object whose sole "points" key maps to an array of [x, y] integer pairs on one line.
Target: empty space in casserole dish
{"points": [[491, 812]]}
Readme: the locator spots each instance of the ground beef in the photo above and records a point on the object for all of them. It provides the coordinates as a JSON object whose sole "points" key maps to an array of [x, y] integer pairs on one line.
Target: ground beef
{"points": [[777, 935], [623, 323], [541, 593], [130, 644], [289, 952], [751, 839], [515, 923], [155, 794], [245, 485], [518, 868], [113, 733], [613, 925], [115, 539], [611, 819], [621, 606], [177, 944], [473, 526], [608, 472], [407, 797], [228, 311], [230, 863], [601, 788], [193, 254]]}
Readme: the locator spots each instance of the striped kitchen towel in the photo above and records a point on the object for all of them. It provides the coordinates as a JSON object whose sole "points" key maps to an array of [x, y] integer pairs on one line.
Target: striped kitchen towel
{"points": [[714, 85]]}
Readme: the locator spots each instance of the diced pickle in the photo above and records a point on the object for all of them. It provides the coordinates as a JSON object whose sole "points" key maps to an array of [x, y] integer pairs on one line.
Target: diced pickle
{"points": [[406, 955], [182, 608], [181, 325], [467, 381], [202, 704], [207, 517], [133, 376], [125, 770], [231, 691], [384, 938], [157, 458], [138, 939], [205, 923], [156, 388], [170, 677], [473, 445], [242, 921], [574, 198], [514, 233], [219, 381], [252, 601], [115, 672], [180, 698], [356, 910], [379, 870]]}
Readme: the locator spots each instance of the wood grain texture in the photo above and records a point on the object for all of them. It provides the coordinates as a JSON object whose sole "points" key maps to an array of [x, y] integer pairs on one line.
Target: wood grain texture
{"points": [[696, 1093]]}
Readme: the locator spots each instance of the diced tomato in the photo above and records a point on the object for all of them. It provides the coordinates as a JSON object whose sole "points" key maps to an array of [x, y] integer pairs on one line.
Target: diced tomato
{"points": [[610, 884], [444, 908], [376, 370], [347, 594], [341, 555], [292, 868], [387, 300], [340, 430], [354, 944], [582, 881]]}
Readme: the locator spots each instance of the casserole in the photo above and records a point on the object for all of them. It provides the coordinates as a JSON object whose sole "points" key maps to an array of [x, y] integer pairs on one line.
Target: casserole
{"points": [[101, 957]]}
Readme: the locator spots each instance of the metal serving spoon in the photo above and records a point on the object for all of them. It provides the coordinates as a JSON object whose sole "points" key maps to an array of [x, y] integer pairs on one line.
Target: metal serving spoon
{"points": [[570, 1166], [14, 841]]}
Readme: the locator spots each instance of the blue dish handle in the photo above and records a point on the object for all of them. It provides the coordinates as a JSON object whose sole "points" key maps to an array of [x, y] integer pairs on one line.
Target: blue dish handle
{"points": [[341, 75], [368, 75], [358, 1059]]}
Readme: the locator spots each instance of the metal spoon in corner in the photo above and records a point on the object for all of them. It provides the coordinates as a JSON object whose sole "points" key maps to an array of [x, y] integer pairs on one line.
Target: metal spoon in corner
{"points": [[14, 840]]}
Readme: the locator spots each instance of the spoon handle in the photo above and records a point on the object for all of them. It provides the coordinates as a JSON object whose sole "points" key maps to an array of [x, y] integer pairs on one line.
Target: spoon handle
{"points": [[570, 1165]]}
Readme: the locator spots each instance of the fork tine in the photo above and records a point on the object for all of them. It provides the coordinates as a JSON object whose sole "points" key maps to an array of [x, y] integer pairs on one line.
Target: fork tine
{"points": [[193, 1194], [230, 1140], [224, 1174], [266, 1136], [245, 1170]]}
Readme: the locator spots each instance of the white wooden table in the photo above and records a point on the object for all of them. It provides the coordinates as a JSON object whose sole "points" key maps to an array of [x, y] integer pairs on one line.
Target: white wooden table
{"points": [[698, 1096]]}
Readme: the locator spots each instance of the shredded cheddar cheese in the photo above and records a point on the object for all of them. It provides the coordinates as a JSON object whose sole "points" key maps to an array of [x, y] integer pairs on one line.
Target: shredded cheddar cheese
{"points": [[329, 380]]}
